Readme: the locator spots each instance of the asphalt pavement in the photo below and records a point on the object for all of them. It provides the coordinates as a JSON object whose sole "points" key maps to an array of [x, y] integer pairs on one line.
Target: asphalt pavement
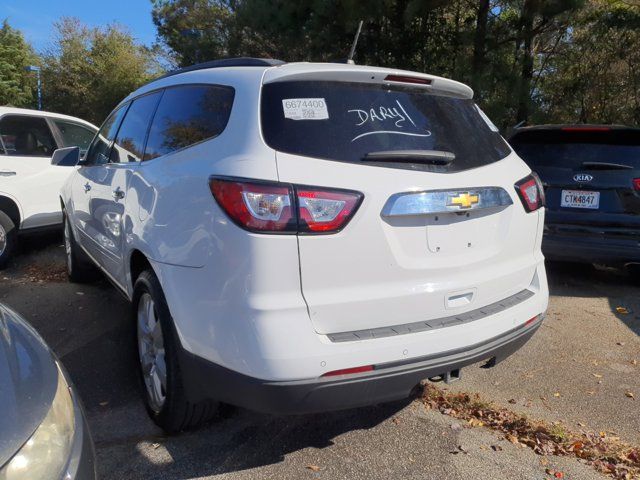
{"points": [[579, 370]]}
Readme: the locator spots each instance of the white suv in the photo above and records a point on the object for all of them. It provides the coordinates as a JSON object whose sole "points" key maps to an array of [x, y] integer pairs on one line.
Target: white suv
{"points": [[29, 184], [305, 237]]}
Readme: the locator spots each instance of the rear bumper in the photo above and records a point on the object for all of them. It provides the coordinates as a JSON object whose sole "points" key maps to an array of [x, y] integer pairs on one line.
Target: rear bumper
{"points": [[387, 382], [588, 248]]}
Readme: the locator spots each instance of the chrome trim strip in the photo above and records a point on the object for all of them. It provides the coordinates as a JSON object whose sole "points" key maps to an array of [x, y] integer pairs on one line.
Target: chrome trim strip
{"points": [[434, 324], [445, 201]]}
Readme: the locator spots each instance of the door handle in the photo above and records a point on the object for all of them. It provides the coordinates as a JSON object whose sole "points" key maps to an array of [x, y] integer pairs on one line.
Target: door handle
{"points": [[87, 187], [7, 173], [118, 194]]}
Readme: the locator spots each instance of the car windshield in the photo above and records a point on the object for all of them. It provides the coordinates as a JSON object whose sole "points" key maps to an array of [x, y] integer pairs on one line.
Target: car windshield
{"points": [[575, 150], [345, 121]]}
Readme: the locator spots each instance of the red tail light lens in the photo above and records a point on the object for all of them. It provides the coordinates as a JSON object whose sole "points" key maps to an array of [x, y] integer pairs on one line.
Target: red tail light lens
{"points": [[531, 192], [260, 207], [282, 208], [636, 184], [349, 371], [323, 210]]}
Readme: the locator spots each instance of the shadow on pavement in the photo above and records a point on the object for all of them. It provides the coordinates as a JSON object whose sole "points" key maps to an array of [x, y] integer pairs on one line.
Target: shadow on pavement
{"points": [[620, 287]]}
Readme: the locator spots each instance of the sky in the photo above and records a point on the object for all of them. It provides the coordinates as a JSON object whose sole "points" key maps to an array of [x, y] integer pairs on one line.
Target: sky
{"points": [[35, 18]]}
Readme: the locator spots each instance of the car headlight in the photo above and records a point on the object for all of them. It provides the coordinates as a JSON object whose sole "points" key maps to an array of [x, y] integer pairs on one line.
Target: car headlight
{"points": [[46, 453]]}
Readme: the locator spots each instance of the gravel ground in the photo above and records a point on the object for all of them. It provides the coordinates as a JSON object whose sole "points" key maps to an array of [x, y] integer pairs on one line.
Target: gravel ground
{"points": [[578, 370]]}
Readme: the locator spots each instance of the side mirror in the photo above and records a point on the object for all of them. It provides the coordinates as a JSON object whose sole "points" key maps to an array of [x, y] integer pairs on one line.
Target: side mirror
{"points": [[66, 157]]}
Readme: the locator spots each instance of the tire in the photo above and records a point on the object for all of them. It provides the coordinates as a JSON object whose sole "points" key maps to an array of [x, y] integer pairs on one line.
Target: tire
{"points": [[8, 239], [79, 266], [157, 344]]}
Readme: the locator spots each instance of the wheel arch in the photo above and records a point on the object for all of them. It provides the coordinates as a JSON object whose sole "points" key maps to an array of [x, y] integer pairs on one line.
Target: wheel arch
{"points": [[11, 209], [138, 263]]}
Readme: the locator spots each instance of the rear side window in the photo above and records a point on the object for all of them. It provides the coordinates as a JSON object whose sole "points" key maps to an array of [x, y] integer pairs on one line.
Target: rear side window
{"points": [[129, 143], [345, 121], [578, 149], [187, 115], [75, 135], [26, 136], [98, 153]]}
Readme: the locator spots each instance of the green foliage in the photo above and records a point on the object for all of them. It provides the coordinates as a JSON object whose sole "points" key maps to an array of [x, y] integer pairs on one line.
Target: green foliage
{"points": [[89, 70], [531, 60], [16, 84]]}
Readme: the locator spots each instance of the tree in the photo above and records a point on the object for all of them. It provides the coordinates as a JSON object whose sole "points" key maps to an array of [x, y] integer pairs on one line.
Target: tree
{"points": [[16, 85], [196, 30], [89, 70]]}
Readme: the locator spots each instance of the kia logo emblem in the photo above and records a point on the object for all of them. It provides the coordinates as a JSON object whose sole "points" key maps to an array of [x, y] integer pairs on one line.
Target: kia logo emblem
{"points": [[582, 177]]}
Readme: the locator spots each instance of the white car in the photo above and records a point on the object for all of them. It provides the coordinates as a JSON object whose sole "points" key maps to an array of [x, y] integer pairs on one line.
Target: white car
{"points": [[29, 184], [306, 237]]}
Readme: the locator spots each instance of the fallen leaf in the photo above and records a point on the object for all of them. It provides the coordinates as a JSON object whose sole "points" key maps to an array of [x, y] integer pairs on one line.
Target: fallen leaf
{"points": [[597, 375], [155, 446], [622, 310], [104, 404], [557, 394], [474, 422], [512, 401], [634, 362], [496, 448], [512, 438], [630, 395], [621, 344], [313, 468]]}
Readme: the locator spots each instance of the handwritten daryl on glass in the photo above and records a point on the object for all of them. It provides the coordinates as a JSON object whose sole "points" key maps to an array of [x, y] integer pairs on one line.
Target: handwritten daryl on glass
{"points": [[396, 114]]}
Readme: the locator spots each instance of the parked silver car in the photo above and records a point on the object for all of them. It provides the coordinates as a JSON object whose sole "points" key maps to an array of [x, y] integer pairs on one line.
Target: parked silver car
{"points": [[43, 431]]}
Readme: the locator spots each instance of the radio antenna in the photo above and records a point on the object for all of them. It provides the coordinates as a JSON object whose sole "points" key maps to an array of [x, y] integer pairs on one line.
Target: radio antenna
{"points": [[355, 43]]}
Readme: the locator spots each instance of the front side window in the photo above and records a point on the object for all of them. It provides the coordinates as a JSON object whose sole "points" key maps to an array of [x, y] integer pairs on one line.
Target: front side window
{"points": [[26, 136], [187, 115], [129, 143], [75, 135], [98, 153], [344, 121]]}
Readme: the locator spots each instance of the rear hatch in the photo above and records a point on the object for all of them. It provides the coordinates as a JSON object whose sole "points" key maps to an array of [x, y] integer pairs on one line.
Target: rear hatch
{"points": [[386, 268], [591, 174]]}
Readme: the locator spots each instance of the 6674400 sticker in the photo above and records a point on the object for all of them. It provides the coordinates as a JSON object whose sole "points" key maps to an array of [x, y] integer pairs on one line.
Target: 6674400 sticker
{"points": [[305, 108]]}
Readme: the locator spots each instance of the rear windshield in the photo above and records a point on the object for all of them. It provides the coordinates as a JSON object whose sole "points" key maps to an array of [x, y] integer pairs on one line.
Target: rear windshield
{"points": [[345, 121], [572, 149]]}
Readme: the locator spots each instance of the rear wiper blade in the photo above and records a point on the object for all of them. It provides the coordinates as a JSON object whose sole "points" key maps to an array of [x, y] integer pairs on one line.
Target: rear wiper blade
{"points": [[435, 157], [606, 166]]}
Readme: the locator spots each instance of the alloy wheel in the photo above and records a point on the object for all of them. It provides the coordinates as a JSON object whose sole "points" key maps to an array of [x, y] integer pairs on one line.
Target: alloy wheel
{"points": [[151, 352], [3, 239], [67, 245]]}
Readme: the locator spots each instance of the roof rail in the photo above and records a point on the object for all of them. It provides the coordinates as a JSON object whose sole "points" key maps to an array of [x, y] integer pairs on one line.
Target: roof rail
{"points": [[227, 62]]}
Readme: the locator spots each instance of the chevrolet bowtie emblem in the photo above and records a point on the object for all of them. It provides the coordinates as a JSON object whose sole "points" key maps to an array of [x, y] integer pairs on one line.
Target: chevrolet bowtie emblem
{"points": [[463, 200]]}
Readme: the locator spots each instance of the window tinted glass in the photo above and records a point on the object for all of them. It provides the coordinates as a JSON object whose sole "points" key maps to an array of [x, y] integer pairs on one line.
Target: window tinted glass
{"points": [[99, 150], [129, 143], [187, 115], [344, 121], [75, 135], [555, 148], [26, 136]]}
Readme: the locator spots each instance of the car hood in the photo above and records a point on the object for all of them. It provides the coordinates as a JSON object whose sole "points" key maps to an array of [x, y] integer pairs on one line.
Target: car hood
{"points": [[28, 380]]}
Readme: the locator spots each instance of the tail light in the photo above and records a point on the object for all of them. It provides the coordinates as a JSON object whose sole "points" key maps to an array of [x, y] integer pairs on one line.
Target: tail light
{"points": [[531, 192], [636, 184], [271, 207]]}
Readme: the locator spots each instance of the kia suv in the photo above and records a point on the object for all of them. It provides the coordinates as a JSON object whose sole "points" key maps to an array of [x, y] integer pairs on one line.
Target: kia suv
{"points": [[304, 237], [591, 175], [29, 184]]}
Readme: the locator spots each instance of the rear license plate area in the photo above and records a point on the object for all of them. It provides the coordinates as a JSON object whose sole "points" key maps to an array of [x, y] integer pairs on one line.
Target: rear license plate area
{"points": [[580, 199]]}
